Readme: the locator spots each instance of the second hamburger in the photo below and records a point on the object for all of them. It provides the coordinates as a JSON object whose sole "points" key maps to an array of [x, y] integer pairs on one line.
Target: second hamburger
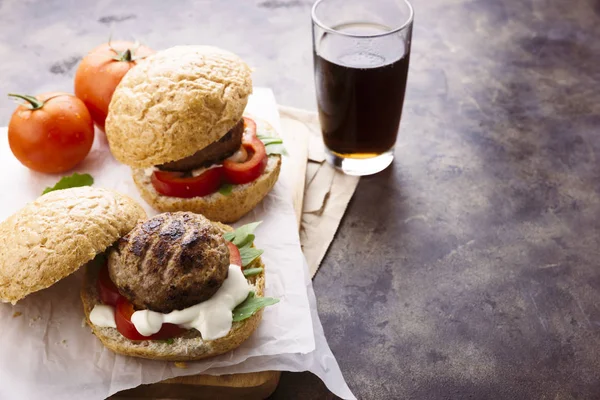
{"points": [[177, 120]]}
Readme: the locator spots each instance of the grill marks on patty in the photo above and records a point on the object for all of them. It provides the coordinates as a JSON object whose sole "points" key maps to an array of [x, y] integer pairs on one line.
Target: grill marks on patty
{"points": [[212, 154], [173, 261]]}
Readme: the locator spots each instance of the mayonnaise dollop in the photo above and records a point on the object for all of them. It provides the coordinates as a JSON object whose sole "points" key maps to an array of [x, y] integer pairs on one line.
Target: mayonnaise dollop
{"points": [[239, 156], [213, 317], [103, 316], [201, 170]]}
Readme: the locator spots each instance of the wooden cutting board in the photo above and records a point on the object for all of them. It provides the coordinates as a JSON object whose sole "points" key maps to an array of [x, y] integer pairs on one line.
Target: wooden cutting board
{"points": [[251, 386]]}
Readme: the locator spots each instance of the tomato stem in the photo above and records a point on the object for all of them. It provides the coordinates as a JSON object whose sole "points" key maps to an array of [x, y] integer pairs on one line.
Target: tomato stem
{"points": [[35, 103]]}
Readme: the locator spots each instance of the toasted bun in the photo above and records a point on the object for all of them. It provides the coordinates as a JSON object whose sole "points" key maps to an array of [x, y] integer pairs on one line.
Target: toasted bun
{"points": [[217, 207], [59, 232], [176, 102], [189, 346]]}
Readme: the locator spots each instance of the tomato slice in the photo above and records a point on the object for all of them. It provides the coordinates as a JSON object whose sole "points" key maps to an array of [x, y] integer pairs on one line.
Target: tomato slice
{"points": [[123, 315], [250, 127], [252, 168], [174, 184], [109, 294], [235, 257]]}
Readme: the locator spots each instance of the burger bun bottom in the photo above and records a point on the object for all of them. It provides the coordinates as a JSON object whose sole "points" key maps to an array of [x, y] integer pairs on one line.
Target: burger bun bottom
{"points": [[216, 207]]}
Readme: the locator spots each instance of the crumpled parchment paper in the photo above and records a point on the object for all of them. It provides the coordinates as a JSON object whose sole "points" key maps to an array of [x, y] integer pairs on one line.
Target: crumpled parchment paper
{"points": [[47, 352]]}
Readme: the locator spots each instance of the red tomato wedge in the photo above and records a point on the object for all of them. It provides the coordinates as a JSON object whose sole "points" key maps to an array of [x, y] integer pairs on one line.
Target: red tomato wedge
{"points": [[174, 184], [109, 294], [123, 315], [249, 127], [252, 168], [234, 254]]}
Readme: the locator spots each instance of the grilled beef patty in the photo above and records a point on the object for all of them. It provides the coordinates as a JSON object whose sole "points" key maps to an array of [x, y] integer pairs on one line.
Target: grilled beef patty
{"points": [[212, 154], [170, 262]]}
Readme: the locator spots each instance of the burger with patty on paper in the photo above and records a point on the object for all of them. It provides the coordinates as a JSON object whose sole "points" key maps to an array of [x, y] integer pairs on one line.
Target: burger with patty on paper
{"points": [[177, 120]]}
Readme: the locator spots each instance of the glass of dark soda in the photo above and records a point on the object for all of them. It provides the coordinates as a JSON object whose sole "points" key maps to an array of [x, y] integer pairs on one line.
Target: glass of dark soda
{"points": [[361, 54]]}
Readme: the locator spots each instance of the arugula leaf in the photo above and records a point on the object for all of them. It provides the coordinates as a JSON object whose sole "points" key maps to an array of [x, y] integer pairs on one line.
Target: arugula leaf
{"points": [[226, 189], [75, 180], [249, 254], [276, 149], [267, 140], [273, 145], [251, 305], [242, 235], [245, 241], [253, 271], [168, 341]]}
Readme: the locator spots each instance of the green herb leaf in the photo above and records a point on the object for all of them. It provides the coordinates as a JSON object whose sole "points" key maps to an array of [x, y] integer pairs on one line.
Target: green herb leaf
{"points": [[251, 305], [267, 140], [226, 189], [168, 341], [249, 254], [273, 145], [242, 235], [253, 271], [276, 149], [75, 180]]}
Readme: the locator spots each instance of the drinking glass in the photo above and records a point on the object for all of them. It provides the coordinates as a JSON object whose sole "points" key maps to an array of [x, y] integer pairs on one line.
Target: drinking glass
{"points": [[361, 52]]}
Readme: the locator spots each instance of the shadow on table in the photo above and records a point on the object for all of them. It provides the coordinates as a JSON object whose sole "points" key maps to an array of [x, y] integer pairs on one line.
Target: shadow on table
{"points": [[301, 385]]}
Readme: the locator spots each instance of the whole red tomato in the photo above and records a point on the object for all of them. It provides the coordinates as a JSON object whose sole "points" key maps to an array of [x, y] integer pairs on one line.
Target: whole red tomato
{"points": [[100, 72], [51, 133]]}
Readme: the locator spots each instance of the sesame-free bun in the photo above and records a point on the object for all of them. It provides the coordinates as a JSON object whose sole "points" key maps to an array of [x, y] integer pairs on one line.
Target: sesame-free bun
{"points": [[176, 102], [216, 206], [187, 347], [51, 237]]}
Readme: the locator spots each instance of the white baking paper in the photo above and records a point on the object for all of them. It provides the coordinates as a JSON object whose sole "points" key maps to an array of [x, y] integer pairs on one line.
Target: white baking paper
{"points": [[320, 362], [47, 353]]}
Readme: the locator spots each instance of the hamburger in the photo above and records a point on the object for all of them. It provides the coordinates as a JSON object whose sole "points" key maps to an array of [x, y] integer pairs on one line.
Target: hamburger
{"points": [[175, 287], [177, 120]]}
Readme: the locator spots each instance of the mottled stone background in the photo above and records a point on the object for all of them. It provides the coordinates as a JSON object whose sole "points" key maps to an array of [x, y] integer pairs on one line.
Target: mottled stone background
{"points": [[471, 267]]}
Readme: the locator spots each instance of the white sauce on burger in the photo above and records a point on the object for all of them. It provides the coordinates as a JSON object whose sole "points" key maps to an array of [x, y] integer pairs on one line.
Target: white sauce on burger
{"points": [[201, 170], [213, 317], [103, 316], [240, 156]]}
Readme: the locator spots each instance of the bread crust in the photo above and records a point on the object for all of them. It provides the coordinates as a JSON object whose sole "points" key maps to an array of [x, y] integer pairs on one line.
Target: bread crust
{"points": [[176, 102], [188, 347], [217, 207], [53, 236]]}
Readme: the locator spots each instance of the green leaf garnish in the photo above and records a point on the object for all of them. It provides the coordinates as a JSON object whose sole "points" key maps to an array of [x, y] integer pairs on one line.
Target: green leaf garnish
{"points": [[253, 271], [75, 180], [276, 149], [251, 305], [242, 235], [226, 189], [273, 145], [168, 341], [267, 140], [249, 254]]}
